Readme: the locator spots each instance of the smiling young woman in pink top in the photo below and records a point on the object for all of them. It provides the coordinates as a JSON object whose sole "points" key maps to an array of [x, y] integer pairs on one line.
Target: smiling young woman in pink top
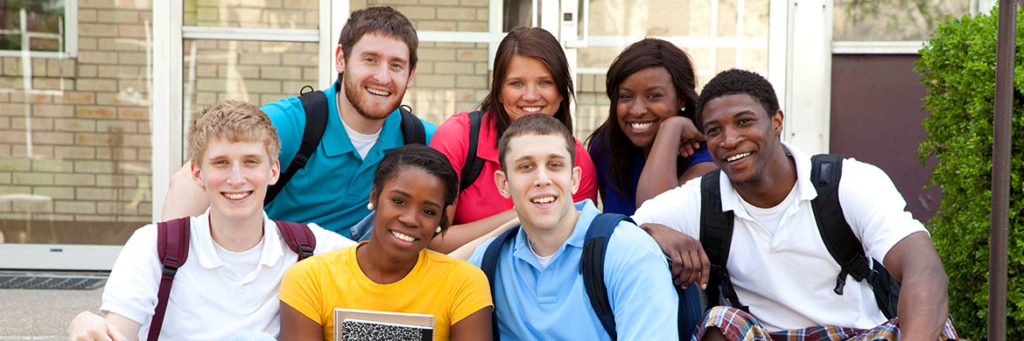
{"points": [[531, 76]]}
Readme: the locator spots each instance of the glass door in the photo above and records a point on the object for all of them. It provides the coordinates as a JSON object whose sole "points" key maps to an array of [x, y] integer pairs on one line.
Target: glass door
{"points": [[258, 52], [75, 148], [716, 34]]}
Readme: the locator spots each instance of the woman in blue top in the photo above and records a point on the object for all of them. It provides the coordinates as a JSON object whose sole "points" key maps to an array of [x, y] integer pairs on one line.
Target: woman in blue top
{"points": [[649, 143]]}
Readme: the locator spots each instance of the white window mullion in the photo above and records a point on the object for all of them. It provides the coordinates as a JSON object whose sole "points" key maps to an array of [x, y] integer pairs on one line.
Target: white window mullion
{"points": [[809, 87], [245, 33], [71, 28], [495, 24], [166, 97], [330, 32]]}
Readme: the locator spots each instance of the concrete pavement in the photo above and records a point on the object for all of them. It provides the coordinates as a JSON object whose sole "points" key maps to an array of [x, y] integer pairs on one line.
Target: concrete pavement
{"points": [[33, 314]]}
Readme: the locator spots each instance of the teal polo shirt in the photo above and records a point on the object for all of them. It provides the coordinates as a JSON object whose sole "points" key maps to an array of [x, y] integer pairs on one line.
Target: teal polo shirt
{"points": [[333, 188], [550, 303]]}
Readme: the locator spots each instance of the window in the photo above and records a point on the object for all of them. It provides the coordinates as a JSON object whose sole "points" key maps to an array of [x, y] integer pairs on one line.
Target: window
{"points": [[43, 27], [882, 20]]}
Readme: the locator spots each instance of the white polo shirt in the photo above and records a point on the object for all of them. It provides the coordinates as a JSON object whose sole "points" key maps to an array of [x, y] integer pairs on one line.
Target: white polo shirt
{"points": [[786, 278], [208, 301]]}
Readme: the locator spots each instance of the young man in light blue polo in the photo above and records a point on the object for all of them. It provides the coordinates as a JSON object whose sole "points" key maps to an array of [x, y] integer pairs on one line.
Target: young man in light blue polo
{"points": [[537, 286]]}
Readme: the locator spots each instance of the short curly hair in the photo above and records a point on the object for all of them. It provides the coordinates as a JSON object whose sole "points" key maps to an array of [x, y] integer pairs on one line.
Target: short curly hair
{"points": [[736, 81], [429, 160]]}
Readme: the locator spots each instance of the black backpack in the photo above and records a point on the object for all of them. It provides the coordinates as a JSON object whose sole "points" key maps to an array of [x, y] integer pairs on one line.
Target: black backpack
{"points": [[592, 269], [172, 241], [471, 169], [716, 236], [314, 103]]}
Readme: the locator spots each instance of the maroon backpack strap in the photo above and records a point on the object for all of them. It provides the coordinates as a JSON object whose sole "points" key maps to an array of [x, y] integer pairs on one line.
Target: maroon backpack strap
{"points": [[298, 237], [172, 249]]}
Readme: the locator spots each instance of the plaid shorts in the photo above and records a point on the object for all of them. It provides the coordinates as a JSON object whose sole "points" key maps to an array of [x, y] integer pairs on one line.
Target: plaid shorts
{"points": [[736, 324]]}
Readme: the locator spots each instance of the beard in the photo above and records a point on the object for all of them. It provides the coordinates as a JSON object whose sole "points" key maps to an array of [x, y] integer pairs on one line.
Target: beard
{"points": [[365, 104]]}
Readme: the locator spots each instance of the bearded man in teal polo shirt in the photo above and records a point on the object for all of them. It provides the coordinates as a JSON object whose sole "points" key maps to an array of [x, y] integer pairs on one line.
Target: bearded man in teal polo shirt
{"points": [[376, 62]]}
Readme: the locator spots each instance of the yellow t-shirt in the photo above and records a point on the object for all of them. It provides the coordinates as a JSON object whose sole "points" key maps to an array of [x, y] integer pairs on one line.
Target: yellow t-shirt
{"points": [[446, 287]]}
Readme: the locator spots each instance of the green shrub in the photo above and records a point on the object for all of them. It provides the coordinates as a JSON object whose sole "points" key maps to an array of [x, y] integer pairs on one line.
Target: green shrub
{"points": [[959, 68]]}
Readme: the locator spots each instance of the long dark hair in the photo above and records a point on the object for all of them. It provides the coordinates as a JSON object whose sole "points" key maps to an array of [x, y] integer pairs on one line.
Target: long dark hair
{"points": [[533, 42], [609, 138]]}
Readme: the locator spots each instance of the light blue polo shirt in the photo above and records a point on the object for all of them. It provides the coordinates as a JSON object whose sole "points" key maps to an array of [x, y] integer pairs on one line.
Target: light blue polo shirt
{"points": [[333, 188], [535, 303]]}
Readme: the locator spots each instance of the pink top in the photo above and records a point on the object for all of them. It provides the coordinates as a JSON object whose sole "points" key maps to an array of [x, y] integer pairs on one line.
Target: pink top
{"points": [[481, 199]]}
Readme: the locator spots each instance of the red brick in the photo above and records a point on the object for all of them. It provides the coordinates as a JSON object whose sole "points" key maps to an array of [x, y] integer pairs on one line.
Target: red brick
{"points": [[40, 98], [76, 125], [117, 126], [90, 139], [136, 113], [94, 112], [74, 97], [52, 110]]}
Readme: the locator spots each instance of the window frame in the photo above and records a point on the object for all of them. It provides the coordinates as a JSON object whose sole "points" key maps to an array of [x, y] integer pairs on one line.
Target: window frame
{"points": [[70, 39]]}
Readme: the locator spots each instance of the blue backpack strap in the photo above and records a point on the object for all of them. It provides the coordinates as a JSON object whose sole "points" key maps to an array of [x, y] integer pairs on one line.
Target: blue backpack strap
{"points": [[490, 266], [298, 237], [314, 104], [473, 165], [172, 238], [412, 128], [592, 267]]}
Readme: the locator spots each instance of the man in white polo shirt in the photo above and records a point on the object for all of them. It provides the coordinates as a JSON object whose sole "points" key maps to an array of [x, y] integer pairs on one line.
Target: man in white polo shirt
{"points": [[786, 284], [228, 285]]}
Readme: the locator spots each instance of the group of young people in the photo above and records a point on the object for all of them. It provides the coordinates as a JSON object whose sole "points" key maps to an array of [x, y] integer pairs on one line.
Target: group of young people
{"points": [[515, 193]]}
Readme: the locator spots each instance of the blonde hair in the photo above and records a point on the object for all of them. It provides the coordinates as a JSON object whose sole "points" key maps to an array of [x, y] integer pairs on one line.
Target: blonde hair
{"points": [[234, 121]]}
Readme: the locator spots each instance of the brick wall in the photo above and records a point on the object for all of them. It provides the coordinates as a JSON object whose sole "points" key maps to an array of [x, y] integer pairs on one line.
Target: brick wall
{"points": [[253, 71], [258, 72], [75, 144], [88, 117]]}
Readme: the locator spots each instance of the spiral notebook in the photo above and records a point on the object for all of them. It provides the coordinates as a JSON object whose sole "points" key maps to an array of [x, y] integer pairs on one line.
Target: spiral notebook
{"points": [[367, 325]]}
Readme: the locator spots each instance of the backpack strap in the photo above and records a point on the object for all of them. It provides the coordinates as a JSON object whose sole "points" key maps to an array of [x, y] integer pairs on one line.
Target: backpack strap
{"points": [[412, 128], [490, 265], [298, 237], [473, 165], [172, 240], [592, 267], [841, 242], [314, 104], [716, 237], [839, 239]]}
